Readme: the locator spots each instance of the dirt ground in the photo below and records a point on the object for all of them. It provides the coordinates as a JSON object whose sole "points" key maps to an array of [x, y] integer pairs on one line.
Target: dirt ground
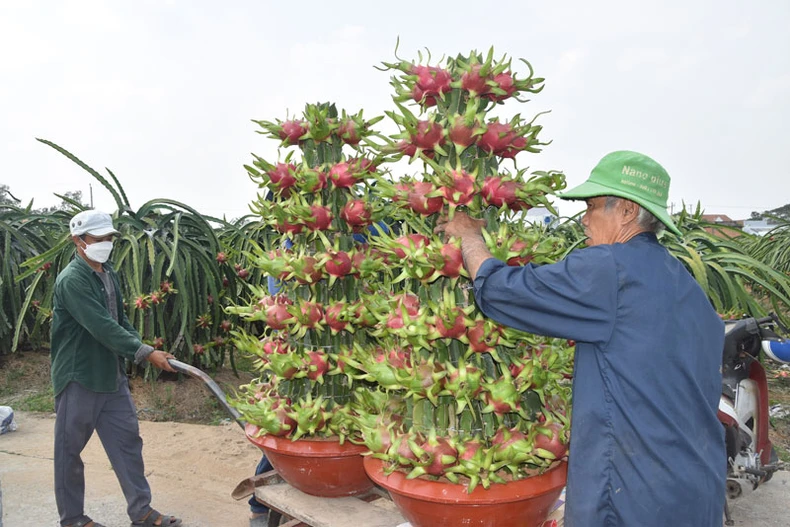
{"points": [[194, 455], [192, 470], [193, 466]]}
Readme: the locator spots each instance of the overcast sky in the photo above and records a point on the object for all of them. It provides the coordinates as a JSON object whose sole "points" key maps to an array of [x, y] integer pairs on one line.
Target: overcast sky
{"points": [[162, 92]]}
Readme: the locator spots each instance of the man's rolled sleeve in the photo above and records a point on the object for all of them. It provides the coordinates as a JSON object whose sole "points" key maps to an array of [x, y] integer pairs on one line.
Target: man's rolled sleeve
{"points": [[142, 353]]}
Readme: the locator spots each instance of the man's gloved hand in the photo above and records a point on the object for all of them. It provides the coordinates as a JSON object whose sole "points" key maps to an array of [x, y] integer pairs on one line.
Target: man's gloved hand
{"points": [[159, 359]]}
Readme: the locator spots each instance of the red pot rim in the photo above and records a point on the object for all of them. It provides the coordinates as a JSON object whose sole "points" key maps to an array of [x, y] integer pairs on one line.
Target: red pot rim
{"points": [[446, 492], [307, 447]]}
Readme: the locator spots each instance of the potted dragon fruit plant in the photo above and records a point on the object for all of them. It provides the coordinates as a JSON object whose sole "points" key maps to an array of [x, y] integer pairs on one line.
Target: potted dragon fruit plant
{"points": [[301, 411], [474, 426], [377, 341]]}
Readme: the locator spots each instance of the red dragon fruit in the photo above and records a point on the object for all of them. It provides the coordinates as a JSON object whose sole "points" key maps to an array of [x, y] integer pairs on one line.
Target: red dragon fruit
{"points": [[275, 345], [282, 177], [362, 165], [339, 264], [321, 218], [432, 82], [504, 81], [356, 213], [291, 131], [407, 148], [483, 337], [306, 270], [411, 242], [499, 190], [523, 257], [428, 135], [348, 131], [497, 137], [452, 325], [336, 317], [549, 438], [142, 302], [342, 175], [311, 180], [439, 455], [399, 357], [518, 144], [310, 314], [462, 133], [419, 201], [317, 365], [277, 316], [452, 260], [473, 82], [462, 189]]}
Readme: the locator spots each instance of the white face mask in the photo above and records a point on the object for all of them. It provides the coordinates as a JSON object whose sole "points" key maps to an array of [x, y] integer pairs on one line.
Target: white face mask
{"points": [[98, 252]]}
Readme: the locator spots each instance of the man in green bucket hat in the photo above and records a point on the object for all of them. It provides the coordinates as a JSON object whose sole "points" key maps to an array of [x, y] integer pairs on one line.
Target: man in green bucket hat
{"points": [[646, 446]]}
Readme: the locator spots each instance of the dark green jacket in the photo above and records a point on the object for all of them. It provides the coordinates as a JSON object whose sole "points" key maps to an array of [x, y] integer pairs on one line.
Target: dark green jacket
{"points": [[86, 340]]}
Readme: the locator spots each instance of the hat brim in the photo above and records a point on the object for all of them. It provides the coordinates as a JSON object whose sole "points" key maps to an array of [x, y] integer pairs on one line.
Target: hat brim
{"points": [[590, 189], [104, 231]]}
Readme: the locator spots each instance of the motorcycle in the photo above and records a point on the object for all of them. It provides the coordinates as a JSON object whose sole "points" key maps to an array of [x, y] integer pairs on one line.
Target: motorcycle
{"points": [[743, 407]]}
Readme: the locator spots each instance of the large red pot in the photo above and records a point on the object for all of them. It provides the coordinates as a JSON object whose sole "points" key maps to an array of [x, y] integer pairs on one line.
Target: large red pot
{"points": [[321, 467], [425, 503]]}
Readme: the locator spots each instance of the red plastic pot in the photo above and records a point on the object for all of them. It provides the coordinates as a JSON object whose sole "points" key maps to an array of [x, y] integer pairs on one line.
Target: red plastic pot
{"points": [[320, 467], [425, 503]]}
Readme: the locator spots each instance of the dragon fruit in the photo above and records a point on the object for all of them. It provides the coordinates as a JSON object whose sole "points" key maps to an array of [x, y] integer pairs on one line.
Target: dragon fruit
{"points": [[427, 135], [474, 82], [292, 131], [282, 178], [461, 190], [321, 218], [342, 175], [461, 132], [504, 84], [432, 82], [356, 213], [348, 131], [499, 190], [496, 138], [424, 198]]}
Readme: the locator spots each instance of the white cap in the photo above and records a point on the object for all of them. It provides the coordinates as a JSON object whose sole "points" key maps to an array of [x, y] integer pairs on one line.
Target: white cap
{"points": [[93, 222]]}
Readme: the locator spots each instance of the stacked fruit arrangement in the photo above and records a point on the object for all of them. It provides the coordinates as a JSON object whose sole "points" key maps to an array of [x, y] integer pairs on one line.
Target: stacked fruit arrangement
{"points": [[374, 335]]}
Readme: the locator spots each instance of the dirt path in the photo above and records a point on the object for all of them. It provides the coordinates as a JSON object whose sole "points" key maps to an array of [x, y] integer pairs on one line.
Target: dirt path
{"points": [[191, 468]]}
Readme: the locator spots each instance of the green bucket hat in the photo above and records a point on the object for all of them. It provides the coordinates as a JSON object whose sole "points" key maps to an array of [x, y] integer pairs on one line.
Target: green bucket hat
{"points": [[632, 176]]}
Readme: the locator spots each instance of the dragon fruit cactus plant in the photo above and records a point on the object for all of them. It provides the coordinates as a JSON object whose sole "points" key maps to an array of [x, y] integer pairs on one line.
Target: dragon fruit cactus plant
{"points": [[309, 311], [378, 340], [464, 398]]}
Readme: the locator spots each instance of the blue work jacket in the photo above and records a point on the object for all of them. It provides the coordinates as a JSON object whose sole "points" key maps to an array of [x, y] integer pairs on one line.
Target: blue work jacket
{"points": [[646, 446]]}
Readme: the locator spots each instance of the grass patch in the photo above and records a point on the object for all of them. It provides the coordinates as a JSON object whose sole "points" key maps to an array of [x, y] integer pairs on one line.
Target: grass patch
{"points": [[783, 454], [43, 401], [11, 378]]}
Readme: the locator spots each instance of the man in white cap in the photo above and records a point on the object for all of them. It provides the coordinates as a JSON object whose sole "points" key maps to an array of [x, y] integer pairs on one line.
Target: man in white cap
{"points": [[646, 446], [91, 335]]}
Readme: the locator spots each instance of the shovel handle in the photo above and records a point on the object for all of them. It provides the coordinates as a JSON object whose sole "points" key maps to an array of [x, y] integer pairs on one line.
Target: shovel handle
{"points": [[212, 386]]}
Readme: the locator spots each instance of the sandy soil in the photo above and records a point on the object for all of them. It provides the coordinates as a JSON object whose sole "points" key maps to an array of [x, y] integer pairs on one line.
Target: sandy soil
{"points": [[191, 468]]}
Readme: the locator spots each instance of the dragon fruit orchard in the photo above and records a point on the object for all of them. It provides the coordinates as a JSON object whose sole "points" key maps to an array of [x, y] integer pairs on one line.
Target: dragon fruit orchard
{"points": [[373, 336]]}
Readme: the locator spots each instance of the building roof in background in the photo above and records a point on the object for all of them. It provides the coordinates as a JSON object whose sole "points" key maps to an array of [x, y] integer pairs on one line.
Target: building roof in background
{"points": [[729, 228]]}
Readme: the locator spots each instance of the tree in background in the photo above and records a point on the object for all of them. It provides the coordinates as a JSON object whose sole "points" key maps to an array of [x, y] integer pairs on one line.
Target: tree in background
{"points": [[6, 198]]}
